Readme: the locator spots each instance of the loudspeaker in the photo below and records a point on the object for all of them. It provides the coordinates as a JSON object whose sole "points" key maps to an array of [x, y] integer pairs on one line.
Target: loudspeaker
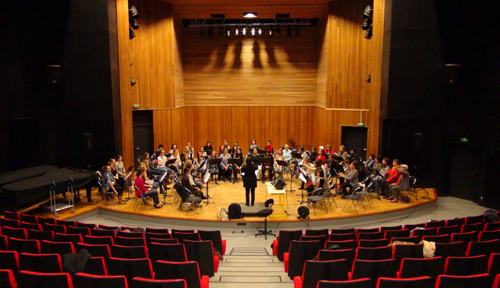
{"points": [[279, 184], [417, 141], [451, 73], [87, 141], [54, 74]]}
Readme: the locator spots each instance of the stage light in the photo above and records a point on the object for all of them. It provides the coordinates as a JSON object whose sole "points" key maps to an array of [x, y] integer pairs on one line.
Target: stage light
{"points": [[369, 78], [228, 32], [369, 33], [210, 33], [236, 32], [221, 32], [259, 31], [278, 30], [271, 32], [289, 32], [244, 31], [368, 22], [133, 12], [303, 212], [367, 11], [250, 14], [131, 33], [269, 203], [202, 32], [252, 31], [297, 31], [132, 82]]}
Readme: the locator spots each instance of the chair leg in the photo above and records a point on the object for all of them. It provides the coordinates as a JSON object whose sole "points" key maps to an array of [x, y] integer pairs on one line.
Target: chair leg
{"points": [[346, 204], [354, 205]]}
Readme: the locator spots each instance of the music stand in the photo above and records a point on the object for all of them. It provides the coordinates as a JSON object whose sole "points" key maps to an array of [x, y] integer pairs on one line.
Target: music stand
{"points": [[170, 162], [162, 190], [303, 178], [285, 164], [237, 161], [129, 188], [206, 180]]}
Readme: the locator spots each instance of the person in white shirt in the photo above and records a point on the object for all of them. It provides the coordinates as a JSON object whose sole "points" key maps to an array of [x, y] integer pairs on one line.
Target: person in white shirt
{"points": [[161, 161], [287, 153]]}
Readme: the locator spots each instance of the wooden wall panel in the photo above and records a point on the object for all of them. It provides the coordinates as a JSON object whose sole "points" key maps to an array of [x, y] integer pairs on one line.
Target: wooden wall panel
{"points": [[260, 71], [323, 56], [178, 68]]}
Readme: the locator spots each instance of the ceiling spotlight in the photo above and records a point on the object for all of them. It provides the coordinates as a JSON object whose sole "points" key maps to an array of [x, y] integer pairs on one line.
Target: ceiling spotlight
{"points": [[368, 22], [228, 32], [244, 31], [202, 32], [289, 32], [369, 78], [132, 82], [133, 12], [252, 31], [369, 33], [131, 34], [278, 30], [250, 14], [236, 32], [271, 32], [210, 32], [260, 31], [221, 32], [367, 11], [297, 31]]}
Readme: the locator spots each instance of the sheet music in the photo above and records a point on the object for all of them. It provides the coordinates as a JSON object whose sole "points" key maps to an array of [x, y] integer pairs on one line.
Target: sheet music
{"points": [[206, 177], [301, 177]]}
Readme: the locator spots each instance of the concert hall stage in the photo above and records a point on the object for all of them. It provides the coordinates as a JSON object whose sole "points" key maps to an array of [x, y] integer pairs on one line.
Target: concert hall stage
{"points": [[226, 193]]}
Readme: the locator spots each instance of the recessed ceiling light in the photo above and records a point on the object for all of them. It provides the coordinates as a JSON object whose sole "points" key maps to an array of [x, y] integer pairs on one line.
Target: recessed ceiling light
{"points": [[250, 14]]}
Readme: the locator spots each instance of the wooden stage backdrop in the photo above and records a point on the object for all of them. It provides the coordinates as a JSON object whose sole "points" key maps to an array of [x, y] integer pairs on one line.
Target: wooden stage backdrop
{"points": [[265, 88]]}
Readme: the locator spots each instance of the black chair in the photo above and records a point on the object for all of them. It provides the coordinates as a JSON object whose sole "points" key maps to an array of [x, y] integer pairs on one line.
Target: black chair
{"points": [[46, 220], [446, 238], [61, 248], [138, 282], [478, 227], [84, 280], [374, 269], [28, 218], [343, 231], [11, 215], [182, 231], [130, 234], [299, 252], [435, 224], [489, 235], [373, 243], [424, 232], [129, 252], [413, 226], [130, 268], [78, 230], [370, 236], [97, 250], [42, 263], [126, 241], [417, 282], [162, 241], [18, 233], [379, 253], [318, 232], [330, 255], [464, 237], [24, 246], [9, 260], [456, 249], [494, 264], [389, 234], [66, 223], [158, 235], [6, 222], [96, 266], [455, 222], [342, 237], [492, 226], [87, 225], [483, 248], [106, 227], [104, 240], [3, 243], [282, 243], [41, 235], [474, 219], [367, 230], [30, 226], [27, 279], [412, 239], [464, 266], [7, 279], [320, 238], [167, 252], [181, 236], [157, 230], [408, 251], [431, 267], [187, 271], [314, 271], [391, 228], [72, 238], [448, 230], [203, 253], [472, 281], [358, 283], [216, 238], [348, 244], [103, 232]]}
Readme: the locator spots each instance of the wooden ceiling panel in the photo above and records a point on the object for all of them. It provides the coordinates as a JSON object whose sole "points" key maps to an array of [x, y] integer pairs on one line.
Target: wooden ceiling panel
{"points": [[245, 2]]}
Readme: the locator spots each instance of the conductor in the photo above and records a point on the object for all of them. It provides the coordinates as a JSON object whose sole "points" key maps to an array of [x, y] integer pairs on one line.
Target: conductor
{"points": [[249, 180]]}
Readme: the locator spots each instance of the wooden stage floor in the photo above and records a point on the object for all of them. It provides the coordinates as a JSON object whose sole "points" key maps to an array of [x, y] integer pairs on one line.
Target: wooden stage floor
{"points": [[226, 193]]}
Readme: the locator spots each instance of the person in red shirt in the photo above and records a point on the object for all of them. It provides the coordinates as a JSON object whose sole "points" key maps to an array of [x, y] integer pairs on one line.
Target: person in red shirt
{"points": [[270, 147], [321, 155], [392, 177], [143, 191]]}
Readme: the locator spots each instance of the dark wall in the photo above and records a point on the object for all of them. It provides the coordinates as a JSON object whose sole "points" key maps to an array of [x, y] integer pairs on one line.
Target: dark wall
{"points": [[426, 35], [73, 34]]}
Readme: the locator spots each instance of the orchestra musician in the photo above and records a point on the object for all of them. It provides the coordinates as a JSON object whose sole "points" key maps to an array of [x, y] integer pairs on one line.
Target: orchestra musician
{"points": [[146, 192], [253, 146], [328, 150], [267, 167], [351, 175], [221, 151], [186, 183], [287, 153], [391, 178], [214, 169], [208, 148], [321, 156], [157, 153], [161, 161], [371, 161], [277, 167], [225, 167], [314, 154], [254, 154], [249, 180], [172, 149], [203, 153], [226, 145], [342, 153], [191, 150], [198, 162], [237, 154], [270, 147], [176, 166], [110, 185], [318, 183]]}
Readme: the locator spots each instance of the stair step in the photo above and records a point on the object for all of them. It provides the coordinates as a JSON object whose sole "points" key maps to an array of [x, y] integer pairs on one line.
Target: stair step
{"points": [[264, 265], [250, 259], [254, 269]]}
